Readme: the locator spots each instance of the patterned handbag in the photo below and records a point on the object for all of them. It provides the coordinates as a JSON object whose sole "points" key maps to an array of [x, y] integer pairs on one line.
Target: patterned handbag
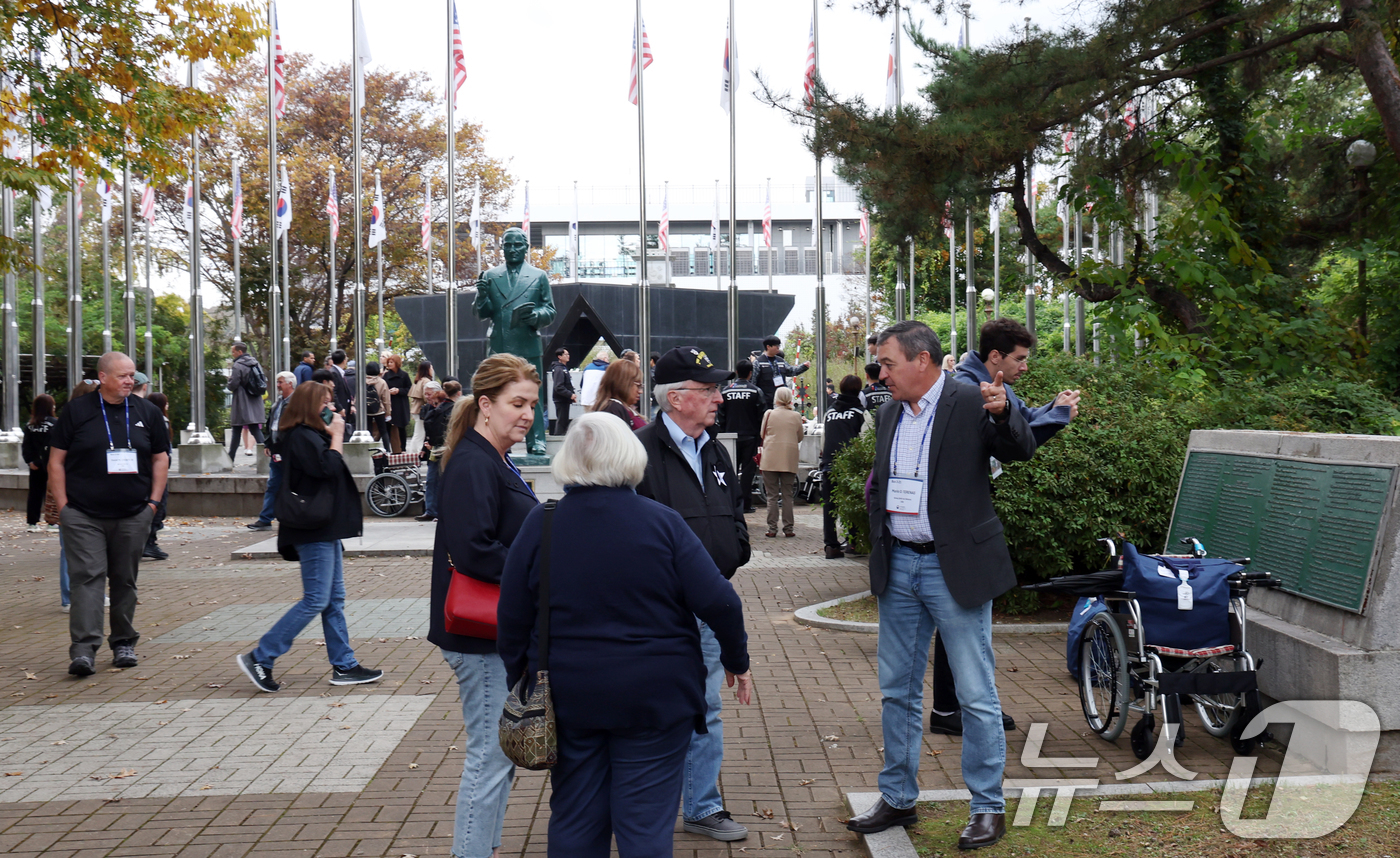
{"points": [[528, 734]]}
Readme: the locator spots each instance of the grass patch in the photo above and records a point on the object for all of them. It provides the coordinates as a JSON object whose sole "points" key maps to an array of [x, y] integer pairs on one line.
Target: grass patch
{"points": [[1373, 831], [865, 610]]}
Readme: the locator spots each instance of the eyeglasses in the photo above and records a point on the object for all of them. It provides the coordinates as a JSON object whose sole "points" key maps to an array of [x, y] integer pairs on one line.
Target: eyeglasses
{"points": [[708, 390]]}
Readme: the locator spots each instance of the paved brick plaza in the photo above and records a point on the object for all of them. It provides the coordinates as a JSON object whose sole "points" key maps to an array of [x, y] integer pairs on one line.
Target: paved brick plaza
{"points": [[181, 757]]}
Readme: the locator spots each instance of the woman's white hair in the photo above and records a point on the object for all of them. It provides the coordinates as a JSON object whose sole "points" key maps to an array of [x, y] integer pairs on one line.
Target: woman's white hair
{"points": [[783, 396], [600, 451]]}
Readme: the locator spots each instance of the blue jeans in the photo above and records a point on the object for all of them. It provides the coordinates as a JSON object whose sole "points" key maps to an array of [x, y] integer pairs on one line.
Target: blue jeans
{"points": [[274, 482], [486, 772], [700, 797], [915, 601], [65, 594], [622, 783], [430, 493], [323, 593]]}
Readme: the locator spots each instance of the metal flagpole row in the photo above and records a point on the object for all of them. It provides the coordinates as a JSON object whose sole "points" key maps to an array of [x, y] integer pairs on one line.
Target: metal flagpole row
{"points": [[361, 434]]}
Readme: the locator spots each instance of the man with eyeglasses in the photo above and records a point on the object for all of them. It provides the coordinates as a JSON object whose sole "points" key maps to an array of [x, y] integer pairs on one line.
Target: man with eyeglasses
{"points": [[691, 473]]}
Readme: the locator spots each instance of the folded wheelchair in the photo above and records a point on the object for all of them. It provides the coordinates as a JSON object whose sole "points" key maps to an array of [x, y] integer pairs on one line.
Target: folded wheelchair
{"points": [[1152, 632]]}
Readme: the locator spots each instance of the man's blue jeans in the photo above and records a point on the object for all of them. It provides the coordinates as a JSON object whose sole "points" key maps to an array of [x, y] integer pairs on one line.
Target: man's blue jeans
{"points": [[913, 604], [274, 482], [430, 493], [323, 594], [700, 795]]}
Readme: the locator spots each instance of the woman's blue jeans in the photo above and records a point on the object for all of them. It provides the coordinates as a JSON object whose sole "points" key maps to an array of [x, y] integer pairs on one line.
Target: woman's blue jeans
{"points": [[486, 772], [323, 594]]}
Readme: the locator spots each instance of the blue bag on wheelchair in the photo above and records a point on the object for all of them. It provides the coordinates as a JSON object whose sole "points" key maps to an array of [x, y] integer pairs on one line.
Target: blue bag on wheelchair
{"points": [[1155, 580], [1084, 611]]}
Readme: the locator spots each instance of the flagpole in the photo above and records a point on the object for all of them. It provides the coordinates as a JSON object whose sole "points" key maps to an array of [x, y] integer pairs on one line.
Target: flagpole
{"points": [[237, 274], [820, 341], [449, 365], [573, 239], [199, 424], [284, 302], [869, 284], [643, 293], [768, 195], [952, 285], [106, 266], [36, 216], [332, 316], [996, 261], [361, 434], [129, 272], [379, 337], [666, 211], [428, 236], [11, 322], [715, 230], [150, 337], [898, 67], [733, 303], [273, 317], [75, 280]]}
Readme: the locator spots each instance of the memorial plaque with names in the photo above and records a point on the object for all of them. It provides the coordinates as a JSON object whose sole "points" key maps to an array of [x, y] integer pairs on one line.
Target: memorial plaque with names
{"points": [[1312, 524]]}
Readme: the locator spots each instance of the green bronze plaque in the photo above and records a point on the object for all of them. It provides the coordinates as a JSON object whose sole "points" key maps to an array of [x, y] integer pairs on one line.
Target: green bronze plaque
{"points": [[1314, 525]]}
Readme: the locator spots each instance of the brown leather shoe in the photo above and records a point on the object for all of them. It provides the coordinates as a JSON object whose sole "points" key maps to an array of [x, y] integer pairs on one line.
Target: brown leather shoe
{"points": [[984, 830], [880, 817]]}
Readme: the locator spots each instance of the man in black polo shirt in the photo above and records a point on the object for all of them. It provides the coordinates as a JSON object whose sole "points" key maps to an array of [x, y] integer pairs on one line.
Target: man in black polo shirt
{"points": [[109, 462]]}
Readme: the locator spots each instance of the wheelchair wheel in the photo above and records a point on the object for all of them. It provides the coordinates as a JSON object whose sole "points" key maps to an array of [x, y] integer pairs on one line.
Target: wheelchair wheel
{"points": [[388, 495], [1219, 712], [1103, 677]]}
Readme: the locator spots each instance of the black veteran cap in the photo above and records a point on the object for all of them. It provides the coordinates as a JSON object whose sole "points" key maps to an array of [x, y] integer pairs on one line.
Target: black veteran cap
{"points": [[687, 363]]}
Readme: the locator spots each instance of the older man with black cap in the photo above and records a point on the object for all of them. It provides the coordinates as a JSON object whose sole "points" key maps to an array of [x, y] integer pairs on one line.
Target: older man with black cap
{"points": [[691, 473]]}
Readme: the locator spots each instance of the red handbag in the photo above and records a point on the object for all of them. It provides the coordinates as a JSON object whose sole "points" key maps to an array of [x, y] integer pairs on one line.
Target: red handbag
{"points": [[471, 606]]}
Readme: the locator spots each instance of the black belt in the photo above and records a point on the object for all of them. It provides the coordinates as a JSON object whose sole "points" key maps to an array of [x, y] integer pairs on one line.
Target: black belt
{"points": [[918, 547]]}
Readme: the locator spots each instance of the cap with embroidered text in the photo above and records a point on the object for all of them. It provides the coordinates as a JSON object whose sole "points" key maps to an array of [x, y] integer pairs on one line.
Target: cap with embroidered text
{"points": [[687, 363]]}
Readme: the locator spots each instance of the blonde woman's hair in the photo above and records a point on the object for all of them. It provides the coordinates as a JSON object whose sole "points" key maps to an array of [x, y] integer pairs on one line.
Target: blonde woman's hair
{"points": [[492, 375], [600, 451], [783, 397]]}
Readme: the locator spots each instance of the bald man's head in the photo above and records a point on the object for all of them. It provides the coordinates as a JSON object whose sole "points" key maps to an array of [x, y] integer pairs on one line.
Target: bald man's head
{"points": [[116, 375]]}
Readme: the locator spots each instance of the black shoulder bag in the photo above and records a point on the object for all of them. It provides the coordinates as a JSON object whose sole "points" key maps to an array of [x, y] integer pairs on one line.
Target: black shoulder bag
{"points": [[302, 509], [529, 735]]}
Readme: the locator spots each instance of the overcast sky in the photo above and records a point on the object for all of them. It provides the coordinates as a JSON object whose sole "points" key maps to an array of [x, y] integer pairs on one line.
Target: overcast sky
{"points": [[548, 78]]}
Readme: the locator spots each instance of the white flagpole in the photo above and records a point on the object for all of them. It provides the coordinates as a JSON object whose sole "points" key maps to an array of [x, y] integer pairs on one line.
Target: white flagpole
{"points": [[198, 422], [36, 215], [11, 321], [449, 365], [428, 239], [573, 239], [383, 226], [869, 284], [643, 292], [715, 233], [733, 303], [285, 325], [237, 278], [274, 339], [106, 266], [768, 195], [75, 279], [129, 296], [150, 337], [361, 433], [952, 284], [820, 340], [333, 299]]}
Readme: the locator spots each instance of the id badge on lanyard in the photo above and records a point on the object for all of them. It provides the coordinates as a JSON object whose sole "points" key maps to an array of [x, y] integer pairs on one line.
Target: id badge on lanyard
{"points": [[122, 461], [904, 495]]}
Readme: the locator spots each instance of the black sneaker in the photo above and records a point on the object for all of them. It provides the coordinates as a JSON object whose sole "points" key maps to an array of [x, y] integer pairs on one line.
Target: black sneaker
{"points": [[720, 826], [425, 517], [153, 552], [81, 666], [357, 675], [951, 725], [123, 655], [261, 676], [260, 525]]}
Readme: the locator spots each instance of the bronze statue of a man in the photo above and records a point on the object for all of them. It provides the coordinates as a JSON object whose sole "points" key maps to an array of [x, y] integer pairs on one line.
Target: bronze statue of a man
{"points": [[518, 301]]}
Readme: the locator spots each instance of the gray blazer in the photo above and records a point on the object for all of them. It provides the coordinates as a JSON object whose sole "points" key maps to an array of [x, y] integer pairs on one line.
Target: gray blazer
{"points": [[971, 548]]}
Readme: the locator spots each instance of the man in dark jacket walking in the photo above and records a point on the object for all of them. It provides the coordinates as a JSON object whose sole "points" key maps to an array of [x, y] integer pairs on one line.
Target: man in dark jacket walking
{"points": [[841, 425], [742, 413], [246, 413], [771, 371], [562, 385], [690, 472]]}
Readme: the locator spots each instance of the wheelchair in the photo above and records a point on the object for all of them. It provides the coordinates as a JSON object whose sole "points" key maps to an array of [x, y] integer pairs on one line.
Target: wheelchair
{"points": [[1126, 668], [398, 483]]}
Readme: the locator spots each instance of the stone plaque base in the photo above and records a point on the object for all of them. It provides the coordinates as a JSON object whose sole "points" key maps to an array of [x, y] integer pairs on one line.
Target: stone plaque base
{"points": [[527, 460], [204, 459]]}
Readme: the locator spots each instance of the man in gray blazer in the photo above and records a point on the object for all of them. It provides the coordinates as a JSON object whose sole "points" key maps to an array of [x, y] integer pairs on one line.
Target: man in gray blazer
{"points": [[937, 559]]}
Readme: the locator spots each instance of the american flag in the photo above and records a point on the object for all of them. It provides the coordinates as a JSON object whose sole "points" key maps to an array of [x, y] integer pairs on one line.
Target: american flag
{"points": [[236, 221], [525, 221], [427, 224], [646, 59], [279, 76], [333, 209], [148, 203], [809, 76], [459, 57], [864, 226], [768, 217], [663, 234]]}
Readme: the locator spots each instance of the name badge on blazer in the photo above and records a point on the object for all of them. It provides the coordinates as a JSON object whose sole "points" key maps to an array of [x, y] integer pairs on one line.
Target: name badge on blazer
{"points": [[904, 495]]}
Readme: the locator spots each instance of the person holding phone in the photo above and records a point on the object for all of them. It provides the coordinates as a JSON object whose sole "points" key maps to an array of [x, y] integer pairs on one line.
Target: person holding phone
{"points": [[311, 442]]}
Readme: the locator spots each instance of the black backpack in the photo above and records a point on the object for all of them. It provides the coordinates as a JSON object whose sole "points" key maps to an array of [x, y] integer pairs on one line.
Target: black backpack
{"points": [[255, 381], [372, 400]]}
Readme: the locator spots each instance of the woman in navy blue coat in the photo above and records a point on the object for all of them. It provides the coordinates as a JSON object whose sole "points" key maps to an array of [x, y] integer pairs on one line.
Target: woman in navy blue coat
{"points": [[482, 501], [625, 666]]}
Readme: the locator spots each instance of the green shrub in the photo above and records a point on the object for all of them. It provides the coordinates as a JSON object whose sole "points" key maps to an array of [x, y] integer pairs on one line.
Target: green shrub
{"points": [[1114, 471]]}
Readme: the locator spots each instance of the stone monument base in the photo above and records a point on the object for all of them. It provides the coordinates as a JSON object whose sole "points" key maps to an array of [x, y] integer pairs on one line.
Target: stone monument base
{"points": [[10, 456], [529, 460], [204, 459]]}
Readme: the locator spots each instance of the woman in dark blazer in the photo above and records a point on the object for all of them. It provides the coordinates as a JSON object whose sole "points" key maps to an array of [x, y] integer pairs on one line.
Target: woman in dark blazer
{"points": [[311, 440], [625, 667], [397, 406], [481, 502]]}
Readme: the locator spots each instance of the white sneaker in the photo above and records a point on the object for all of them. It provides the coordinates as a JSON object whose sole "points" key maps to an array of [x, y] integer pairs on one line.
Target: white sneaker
{"points": [[106, 601], [35, 528], [63, 608]]}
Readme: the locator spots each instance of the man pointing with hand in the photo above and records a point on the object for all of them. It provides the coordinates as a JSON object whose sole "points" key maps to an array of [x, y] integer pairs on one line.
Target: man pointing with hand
{"points": [[937, 559]]}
